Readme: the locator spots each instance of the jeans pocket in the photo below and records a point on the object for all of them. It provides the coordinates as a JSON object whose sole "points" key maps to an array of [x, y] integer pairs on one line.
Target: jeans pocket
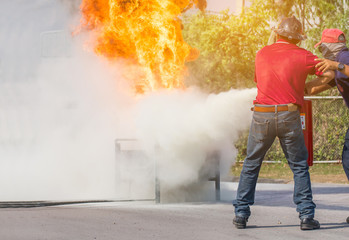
{"points": [[293, 125], [259, 129]]}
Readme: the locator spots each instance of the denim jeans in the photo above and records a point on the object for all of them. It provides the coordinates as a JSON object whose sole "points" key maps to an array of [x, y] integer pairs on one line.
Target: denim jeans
{"points": [[345, 154], [265, 127]]}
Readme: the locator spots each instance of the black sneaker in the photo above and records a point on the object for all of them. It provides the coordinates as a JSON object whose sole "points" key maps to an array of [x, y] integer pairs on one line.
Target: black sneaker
{"points": [[240, 222], [309, 224], [347, 219]]}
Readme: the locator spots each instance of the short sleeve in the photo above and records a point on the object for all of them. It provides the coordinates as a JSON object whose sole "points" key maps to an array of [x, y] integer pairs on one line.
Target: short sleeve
{"points": [[344, 57], [310, 64]]}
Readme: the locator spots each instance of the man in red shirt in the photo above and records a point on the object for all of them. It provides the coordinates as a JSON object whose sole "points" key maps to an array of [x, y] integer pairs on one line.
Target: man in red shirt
{"points": [[280, 73]]}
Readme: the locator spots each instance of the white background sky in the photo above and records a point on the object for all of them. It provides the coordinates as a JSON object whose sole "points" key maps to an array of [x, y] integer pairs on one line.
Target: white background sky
{"points": [[220, 5]]}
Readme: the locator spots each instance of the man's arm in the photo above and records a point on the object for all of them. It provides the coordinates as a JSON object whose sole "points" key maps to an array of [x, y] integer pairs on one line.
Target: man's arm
{"points": [[325, 64], [319, 84]]}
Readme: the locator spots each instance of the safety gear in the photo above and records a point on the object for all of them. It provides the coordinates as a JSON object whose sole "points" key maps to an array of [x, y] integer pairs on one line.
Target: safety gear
{"points": [[331, 50], [333, 35], [291, 28]]}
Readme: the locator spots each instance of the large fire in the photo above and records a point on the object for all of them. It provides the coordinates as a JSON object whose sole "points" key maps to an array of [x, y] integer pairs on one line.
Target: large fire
{"points": [[146, 34]]}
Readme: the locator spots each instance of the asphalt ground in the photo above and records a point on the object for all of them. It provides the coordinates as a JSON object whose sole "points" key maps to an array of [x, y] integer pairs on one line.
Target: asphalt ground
{"points": [[273, 217]]}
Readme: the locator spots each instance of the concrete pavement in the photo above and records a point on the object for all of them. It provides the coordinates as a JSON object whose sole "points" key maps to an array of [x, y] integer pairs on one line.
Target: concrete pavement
{"points": [[273, 217]]}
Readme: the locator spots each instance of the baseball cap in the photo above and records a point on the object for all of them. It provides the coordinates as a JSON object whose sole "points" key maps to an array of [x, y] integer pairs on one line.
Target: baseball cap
{"points": [[331, 36]]}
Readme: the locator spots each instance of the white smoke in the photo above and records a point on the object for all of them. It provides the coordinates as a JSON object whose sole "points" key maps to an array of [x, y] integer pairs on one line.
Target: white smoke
{"points": [[61, 110], [57, 108], [185, 127]]}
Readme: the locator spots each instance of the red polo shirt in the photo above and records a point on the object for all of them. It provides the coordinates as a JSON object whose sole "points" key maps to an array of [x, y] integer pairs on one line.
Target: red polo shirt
{"points": [[280, 73]]}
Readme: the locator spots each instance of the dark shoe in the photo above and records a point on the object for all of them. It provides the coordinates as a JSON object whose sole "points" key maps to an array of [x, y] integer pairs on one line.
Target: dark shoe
{"points": [[240, 222], [309, 224], [347, 219]]}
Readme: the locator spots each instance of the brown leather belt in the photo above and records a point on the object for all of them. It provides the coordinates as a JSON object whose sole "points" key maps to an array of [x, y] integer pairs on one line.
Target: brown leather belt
{"points": [[276, 108]]}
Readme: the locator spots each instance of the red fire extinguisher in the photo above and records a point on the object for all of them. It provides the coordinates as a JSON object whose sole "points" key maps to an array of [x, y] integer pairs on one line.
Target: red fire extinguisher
{"points": [[307, 126]]}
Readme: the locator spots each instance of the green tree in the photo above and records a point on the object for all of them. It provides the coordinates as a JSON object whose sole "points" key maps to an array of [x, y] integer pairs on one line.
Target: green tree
{"points": [[316, 15], [228, 44]]}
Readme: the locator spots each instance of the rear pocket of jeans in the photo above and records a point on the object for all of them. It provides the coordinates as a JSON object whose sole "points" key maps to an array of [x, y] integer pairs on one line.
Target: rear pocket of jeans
{"points": [[260, 129], [293, 125]]}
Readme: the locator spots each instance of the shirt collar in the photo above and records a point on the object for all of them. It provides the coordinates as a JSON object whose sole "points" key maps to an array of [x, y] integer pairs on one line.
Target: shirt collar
{"points": [[281, 40], [344, 49]]}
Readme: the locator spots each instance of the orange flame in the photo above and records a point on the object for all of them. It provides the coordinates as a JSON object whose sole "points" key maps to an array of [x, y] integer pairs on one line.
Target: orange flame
{"points": [[147, 33]]}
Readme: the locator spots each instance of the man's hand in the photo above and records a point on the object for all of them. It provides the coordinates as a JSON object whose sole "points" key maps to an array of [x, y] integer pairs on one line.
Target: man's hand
{"points": [[325, 64], [319, 84]]}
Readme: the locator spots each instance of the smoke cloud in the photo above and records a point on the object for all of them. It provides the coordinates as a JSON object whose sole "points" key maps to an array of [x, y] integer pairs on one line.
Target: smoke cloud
{"points": [[185, 127], [63, 110]]}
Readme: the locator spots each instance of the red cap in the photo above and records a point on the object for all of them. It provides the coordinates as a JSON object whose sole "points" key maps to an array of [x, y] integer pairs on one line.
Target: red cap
{"points": [[331, 36]]}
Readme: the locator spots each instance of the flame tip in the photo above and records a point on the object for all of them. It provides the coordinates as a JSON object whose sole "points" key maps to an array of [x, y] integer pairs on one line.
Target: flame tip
{"points": [[148, 33]]}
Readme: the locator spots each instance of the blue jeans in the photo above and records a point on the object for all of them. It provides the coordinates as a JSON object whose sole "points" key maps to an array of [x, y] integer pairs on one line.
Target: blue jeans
{"points": [[345, 154], [265, 127]]}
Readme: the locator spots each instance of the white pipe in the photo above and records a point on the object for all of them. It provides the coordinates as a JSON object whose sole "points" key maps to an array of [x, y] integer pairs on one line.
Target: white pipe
{"points": [[325, 161], [323, 97]]}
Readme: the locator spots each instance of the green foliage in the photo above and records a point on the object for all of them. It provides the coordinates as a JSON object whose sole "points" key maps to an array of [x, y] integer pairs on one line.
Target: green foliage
{"points": [[330, 123], [330, 126], [228, 45], [316, 15], [281, 172]]}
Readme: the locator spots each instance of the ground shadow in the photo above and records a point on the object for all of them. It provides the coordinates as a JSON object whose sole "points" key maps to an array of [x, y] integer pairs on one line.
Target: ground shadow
{"points": [[284, 198], [324, 226], [334, 225]]}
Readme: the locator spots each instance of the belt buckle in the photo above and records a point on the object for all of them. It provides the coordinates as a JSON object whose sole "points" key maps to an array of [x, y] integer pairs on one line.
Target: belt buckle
{"points": [[292, 107]]}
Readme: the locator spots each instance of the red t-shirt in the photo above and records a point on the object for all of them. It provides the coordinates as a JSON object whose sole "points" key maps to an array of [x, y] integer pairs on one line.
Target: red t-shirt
{"points": [[280, 73]]}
